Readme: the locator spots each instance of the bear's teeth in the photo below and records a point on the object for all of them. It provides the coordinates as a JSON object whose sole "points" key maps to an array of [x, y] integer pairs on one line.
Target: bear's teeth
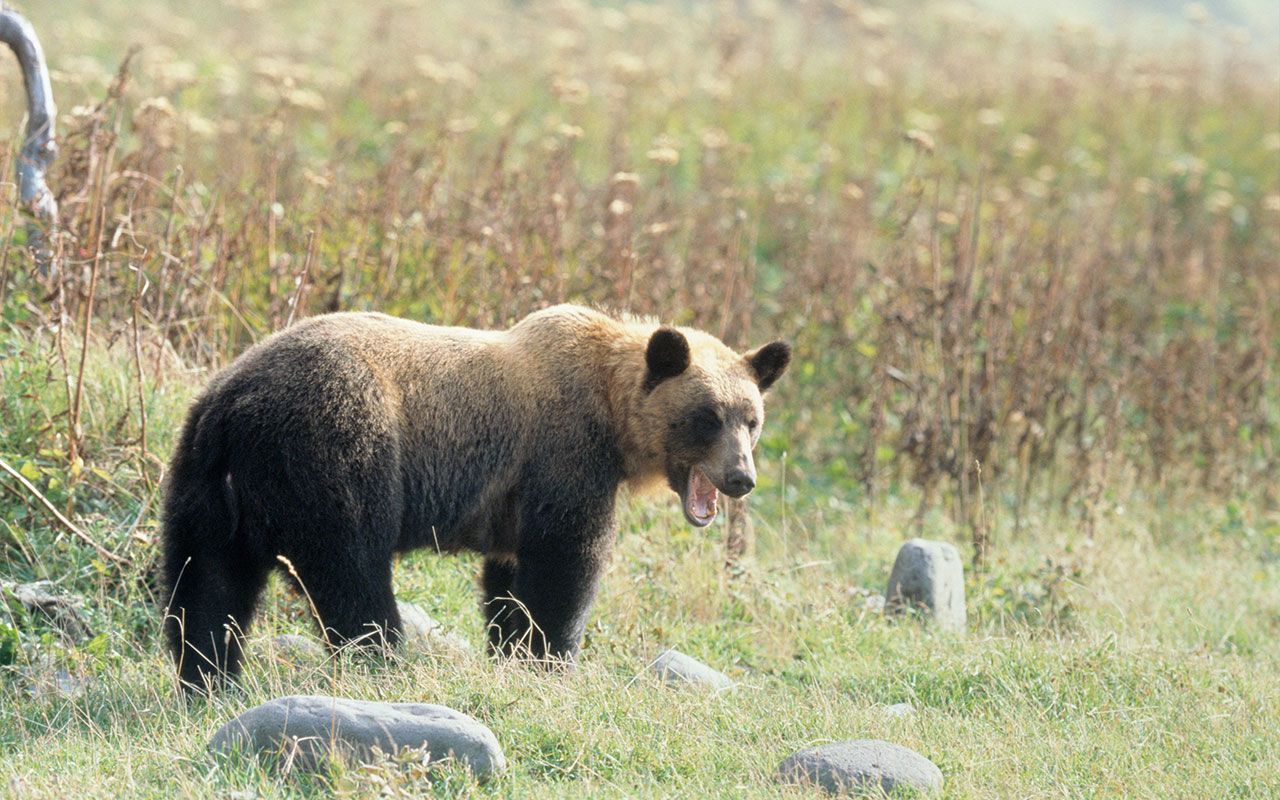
{"points": [[701, 495]]}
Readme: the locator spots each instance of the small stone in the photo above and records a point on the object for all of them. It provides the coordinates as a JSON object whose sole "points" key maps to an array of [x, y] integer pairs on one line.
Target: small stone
{"points": [[58, 683], [900, 711], [42, 599], [305, 731], [423, 632], [676, 667], [861, 765], [868, 600], [293, 650], [928, 577]]}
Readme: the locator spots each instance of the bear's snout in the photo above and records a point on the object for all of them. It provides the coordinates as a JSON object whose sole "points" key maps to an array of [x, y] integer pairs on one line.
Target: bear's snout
{"points": [[739, 482]]}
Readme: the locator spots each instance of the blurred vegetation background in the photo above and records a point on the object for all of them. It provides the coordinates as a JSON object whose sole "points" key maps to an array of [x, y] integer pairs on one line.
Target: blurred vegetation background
{"points": [[1031, 270], [1018, 265]]}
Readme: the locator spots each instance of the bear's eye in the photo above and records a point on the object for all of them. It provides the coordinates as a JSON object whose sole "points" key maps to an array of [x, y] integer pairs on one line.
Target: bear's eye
{"points": [[752, 423], [705, 419], [703, 425], [697, 428]]}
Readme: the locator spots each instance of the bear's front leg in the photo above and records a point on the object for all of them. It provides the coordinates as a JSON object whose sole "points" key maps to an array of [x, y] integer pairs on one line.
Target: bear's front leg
{"points": [[552, 586]]}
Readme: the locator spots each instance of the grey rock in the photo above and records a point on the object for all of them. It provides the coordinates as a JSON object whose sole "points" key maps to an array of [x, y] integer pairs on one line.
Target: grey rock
{"points": [[900, 711], [928, 577], [423, 632], [42, 599], [676, 667], [860, 766], [305, 731], [56, 683], [867, 600], [293, 649]]}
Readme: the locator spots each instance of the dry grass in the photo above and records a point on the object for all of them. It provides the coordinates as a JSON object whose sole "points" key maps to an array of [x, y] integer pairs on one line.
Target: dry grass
{"points": [[1008, 261], [1033, 280]]}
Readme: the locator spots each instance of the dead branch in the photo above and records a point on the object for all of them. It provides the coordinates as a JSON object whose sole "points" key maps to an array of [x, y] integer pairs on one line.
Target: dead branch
{"points": [[40, 147], [66, 523]]}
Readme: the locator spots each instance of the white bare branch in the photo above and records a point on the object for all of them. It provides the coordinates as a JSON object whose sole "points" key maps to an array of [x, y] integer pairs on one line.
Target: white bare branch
{"points": [[40, 147]]}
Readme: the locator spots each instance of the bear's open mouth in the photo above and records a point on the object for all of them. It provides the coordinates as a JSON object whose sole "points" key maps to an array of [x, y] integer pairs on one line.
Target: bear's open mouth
{"points": [[700, 496]]}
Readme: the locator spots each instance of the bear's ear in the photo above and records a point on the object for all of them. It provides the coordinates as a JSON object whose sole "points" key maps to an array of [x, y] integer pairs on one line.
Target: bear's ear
{"points": [[666, 356], [769, 362]]}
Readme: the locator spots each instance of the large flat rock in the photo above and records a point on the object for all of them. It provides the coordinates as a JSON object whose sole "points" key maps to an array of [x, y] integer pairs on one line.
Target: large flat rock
{"points": [[306, 730], [861, 766]]}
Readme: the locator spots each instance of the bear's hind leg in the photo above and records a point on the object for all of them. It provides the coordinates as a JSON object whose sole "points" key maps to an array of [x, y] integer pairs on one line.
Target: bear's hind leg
{"points": [[355, 603], [213, 597], [345, 518]]}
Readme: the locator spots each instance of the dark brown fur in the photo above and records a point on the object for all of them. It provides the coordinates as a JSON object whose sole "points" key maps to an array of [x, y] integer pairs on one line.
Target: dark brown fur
{"points": [[349, 438]]}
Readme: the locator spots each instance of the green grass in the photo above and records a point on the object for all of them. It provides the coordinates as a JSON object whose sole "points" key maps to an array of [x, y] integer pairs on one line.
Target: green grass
{"points": [[1031, 282], [1150, 672]]}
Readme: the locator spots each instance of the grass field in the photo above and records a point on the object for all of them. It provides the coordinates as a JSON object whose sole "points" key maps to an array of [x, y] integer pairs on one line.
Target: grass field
{"points": [[1033, 279]]}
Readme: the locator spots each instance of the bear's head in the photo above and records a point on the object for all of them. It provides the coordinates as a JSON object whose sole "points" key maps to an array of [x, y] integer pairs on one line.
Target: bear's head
{"points": [[706, 406]]}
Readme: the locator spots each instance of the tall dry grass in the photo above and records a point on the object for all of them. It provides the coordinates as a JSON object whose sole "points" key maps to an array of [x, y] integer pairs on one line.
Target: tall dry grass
{"points": [[1018, 267]]}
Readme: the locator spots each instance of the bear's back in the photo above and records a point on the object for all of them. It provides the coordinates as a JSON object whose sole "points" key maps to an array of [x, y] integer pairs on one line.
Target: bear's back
{"points": [[466, 414]]}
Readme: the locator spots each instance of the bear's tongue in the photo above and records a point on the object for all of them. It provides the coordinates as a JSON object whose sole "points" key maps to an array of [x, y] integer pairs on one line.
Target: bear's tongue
{"points": [[700, 498]]}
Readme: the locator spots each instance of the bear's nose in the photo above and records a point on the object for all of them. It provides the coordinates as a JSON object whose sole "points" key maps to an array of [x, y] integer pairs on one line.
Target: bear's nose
{"points": [[738, 483]]}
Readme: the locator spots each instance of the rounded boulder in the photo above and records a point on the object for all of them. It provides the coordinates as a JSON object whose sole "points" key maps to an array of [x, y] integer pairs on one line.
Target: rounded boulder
{"points": [[861, 766], [305, 731]]}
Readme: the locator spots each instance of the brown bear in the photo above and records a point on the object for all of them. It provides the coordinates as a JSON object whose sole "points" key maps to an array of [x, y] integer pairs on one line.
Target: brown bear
{"points": [[348, 438]]}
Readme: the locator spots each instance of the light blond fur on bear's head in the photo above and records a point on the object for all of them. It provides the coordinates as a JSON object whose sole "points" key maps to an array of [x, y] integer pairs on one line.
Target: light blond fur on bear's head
{"points": [[652, 416]]}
